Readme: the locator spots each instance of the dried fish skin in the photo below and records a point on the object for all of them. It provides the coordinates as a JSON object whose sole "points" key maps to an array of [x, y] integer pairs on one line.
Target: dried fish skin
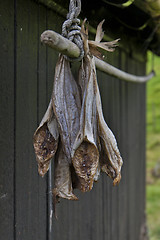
{"points": [[75, 180], [112, 163], [62, 177], [85, 154], [45, 147], [105, 165], [45, 140], [66, 104], [85, 162]]}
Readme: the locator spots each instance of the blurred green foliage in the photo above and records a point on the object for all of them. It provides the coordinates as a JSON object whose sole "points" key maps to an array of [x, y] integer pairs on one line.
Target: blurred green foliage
{"points": [[153, 148]]}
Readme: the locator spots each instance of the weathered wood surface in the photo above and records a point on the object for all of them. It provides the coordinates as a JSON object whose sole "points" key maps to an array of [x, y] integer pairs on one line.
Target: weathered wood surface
{"points": [[70, 49], [27, 181], [7, 120], [27, 72]]}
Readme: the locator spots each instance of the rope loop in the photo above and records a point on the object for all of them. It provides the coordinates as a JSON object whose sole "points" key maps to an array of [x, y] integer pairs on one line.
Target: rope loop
{"points": [[71, 30]]}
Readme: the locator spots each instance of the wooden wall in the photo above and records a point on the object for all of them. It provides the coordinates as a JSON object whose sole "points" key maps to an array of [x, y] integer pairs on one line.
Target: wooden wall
{"points": [[26, 78]]}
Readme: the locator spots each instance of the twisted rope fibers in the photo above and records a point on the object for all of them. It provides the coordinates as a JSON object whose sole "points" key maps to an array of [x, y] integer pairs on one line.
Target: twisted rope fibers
{"points": [[70, 28]]}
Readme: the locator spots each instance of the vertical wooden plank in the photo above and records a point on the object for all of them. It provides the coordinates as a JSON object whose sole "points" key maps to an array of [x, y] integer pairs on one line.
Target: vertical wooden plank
{"points": [[143, 153], [122, 188], [106, 90], [7, 119], [27, 179], [114, 125], [140, 182], [133, 149], [41, 108], [126, 98], [117, 122], [96, 211], [53, 23], [104, 182], [130, 198], [138, 103]]}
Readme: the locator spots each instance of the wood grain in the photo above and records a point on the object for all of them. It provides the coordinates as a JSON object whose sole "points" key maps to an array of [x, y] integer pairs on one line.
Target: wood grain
{"points": [[27, 73], [7, 120]]}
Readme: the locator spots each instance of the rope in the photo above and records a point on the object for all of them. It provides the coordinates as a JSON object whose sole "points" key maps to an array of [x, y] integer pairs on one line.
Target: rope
{"points": [[71, 30]]}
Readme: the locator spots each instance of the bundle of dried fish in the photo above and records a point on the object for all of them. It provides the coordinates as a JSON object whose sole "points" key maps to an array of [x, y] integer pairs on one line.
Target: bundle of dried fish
{"points": [[62, 177], [87, 145], [85, 154], [62, 116]]}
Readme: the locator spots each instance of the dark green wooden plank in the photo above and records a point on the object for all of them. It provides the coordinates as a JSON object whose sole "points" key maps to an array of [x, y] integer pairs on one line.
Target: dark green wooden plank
{"points": [[141, 168], [104, 213], [7, 120], [133, 132], [114, 125], [138, 102], [119, 137], [104, 83], [106, 90], [143, 153], [123, 143], [27, 179], [41, 108], [95, 211], [53, 23]]}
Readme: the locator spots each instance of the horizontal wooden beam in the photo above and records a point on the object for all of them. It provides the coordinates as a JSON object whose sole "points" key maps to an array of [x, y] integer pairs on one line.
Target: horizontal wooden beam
{"points": [[115, 72], [68, 48]]}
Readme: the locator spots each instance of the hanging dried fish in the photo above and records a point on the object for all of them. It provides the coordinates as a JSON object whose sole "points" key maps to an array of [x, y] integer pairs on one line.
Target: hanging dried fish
{"points": [[45, 140], [112, 163], [66, 104], [110, 158], [85, 156], [87, 146], [62, 177]]}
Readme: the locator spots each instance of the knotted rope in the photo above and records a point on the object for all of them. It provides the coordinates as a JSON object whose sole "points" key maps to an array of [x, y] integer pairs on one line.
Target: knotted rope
{"points": [[70, 28]]}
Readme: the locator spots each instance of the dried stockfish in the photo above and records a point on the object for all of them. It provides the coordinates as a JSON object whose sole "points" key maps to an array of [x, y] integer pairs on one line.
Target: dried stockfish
{"points": [[66, 104], [85, 154], [62, 177], [110, 160], [45, 140]]}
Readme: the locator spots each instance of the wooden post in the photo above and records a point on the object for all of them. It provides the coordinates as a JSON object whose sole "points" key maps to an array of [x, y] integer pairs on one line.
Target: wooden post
{"points": [[60, 44]]}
